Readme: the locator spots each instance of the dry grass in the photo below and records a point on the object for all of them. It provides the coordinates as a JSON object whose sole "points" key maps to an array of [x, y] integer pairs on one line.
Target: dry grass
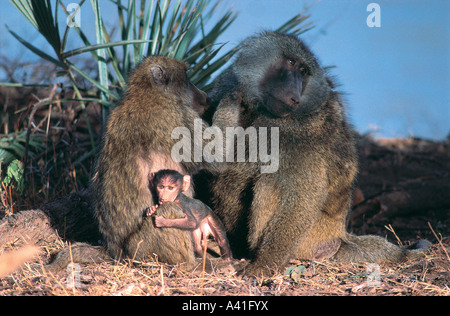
{"points": [[427, 277]]}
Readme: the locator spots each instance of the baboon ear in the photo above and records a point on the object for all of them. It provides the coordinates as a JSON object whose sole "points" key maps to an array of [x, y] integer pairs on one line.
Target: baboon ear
{"points": [[160, 75], [186, 183], [151, 177]]}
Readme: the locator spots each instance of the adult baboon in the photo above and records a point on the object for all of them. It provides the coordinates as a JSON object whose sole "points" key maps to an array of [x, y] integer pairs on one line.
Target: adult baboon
{"points": [[300, 210], [137, 142]]}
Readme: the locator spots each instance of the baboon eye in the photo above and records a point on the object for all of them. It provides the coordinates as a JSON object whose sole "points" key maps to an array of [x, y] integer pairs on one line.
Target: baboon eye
{"points": [[292, 62]]}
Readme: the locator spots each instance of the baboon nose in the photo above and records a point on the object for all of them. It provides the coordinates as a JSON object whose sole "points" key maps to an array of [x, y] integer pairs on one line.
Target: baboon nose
{"points": [[295, 102]]}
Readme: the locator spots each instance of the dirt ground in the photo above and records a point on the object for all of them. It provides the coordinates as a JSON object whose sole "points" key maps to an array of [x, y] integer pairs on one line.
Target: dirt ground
{"points": [[405, 187]]}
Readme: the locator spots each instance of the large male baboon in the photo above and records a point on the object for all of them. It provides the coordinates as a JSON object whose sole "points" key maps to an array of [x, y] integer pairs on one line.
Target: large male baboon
{"points": [[137, 142], [300, 210]]}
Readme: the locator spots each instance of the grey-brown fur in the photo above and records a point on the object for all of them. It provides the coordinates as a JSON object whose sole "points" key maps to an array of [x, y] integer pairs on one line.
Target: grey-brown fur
{"points": [[174, 246], [137, 142], [300, 210]]}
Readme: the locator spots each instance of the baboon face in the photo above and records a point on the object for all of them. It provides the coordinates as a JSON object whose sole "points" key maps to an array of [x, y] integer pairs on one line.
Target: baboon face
{"points": [[279, 75], [168, 190], [282, 84], [168, 77], [199, 99], [176, 81], [169, 184]]}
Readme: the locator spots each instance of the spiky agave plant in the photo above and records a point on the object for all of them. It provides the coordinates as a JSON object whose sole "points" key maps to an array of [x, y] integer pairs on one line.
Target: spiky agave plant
{"points": [[177, 29], [170, 28]]}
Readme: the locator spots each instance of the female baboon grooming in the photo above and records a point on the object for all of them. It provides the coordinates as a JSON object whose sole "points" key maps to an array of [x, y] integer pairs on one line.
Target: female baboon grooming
{"points": [[300, 210]]}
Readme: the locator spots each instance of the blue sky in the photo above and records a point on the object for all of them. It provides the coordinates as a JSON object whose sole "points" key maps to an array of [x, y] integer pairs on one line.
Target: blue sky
{"points": [[396, 78]]}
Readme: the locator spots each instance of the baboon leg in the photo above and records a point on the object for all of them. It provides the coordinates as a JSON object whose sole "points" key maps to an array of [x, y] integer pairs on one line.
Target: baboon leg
{"points": [[78, 253], [375, 249]]}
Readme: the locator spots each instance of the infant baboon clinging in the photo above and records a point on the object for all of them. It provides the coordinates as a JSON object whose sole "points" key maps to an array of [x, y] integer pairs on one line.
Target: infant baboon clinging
{"points": [[137, 142], [300, 210], [198, 217]]}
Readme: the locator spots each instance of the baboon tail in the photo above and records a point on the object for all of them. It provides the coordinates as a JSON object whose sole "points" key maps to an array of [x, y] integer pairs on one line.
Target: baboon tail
{"points": [[376, 249], [78, 253]]}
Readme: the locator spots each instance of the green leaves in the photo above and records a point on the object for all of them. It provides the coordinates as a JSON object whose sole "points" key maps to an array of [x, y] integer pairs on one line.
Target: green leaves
{"points": [[39, 13], [13, 146], [171, 28], [101, 54], [295, 272], [36, 50], [13, 172]]}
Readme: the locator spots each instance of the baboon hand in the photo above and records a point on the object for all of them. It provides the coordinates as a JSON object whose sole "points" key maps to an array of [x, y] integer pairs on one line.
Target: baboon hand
{"points": [[254, 270], [152, 210], [160, 221]]}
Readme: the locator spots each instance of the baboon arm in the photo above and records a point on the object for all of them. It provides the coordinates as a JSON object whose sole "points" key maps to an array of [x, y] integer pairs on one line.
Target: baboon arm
{"points": [[218, 231], [297, 212], [277, 246], [187, 222], [228, 112], [197, 239]]}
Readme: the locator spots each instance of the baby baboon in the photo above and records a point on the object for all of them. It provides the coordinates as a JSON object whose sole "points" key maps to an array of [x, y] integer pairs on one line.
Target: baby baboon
{"points": [[300, 210], [198, 217]]}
